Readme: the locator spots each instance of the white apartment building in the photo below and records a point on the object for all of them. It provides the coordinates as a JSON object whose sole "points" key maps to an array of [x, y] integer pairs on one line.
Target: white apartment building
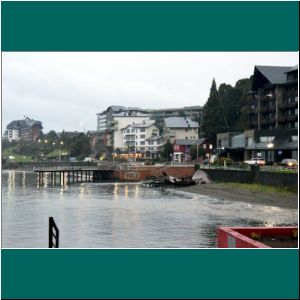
{"points": [[119, 123], [139, 137], [180, 128]]}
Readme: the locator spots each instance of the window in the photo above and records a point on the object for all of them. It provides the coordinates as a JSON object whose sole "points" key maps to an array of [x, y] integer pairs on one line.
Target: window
{"points": [[142, 129], [294, 138], [142, 142], [128, 130], [266, 139], [132, 130], [142, 136]]}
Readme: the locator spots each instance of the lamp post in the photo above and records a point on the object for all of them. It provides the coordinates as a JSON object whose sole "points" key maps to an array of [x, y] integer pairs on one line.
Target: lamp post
{"points": [[59, 154]]}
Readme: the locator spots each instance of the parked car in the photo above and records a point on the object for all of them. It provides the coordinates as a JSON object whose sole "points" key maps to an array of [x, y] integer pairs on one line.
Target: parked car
{"points": [[289, 163], [255, 161]]}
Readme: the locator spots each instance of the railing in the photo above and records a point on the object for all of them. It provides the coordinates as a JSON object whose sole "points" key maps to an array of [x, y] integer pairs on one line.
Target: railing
{"points": [[267, 108], [290, 104], [268, 121], [53, 234], [245, 167]]}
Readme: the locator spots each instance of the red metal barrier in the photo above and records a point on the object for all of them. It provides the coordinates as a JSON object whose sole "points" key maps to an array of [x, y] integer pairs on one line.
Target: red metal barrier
{"points": [[240, 237]]}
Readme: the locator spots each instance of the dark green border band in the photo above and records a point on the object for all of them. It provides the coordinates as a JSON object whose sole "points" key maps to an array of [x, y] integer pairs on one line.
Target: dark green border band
{"points": [[156, 26], [150, 26], [174, 274]]}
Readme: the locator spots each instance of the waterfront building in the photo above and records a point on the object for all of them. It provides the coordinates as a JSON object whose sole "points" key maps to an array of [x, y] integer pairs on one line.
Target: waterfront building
{"points": [[271, 145], [180, 128], [119, 123], [181, 148], [275, 98], [141, 139], [27, 129]]}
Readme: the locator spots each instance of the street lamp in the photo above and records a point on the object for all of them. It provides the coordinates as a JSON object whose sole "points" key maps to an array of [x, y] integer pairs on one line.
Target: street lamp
{"points": [[270, 145], [61, 143]]}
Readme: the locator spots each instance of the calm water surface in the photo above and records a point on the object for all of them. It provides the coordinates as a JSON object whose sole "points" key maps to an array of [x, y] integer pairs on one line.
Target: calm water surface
{"points": [[118, 215]]}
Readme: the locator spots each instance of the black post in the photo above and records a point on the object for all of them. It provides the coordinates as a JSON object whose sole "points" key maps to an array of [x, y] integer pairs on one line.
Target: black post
{"points": [[52, 234]]}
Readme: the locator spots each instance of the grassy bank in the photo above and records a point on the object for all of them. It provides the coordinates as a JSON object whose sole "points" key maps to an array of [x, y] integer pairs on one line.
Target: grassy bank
{"points": [[259, 188]]}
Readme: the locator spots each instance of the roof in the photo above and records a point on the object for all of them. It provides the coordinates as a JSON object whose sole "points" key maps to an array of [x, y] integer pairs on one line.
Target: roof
{"points": [[180, 122], [189, 142], [195, 107], [23, 124], [274, 74], [295, 68]]}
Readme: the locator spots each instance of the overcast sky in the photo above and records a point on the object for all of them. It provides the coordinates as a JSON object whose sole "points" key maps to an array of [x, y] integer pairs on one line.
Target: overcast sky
{"points": [[66, 89]]}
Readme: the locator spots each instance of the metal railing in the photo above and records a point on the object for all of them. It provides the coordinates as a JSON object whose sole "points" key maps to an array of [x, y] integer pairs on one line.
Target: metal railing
{"points": [[53, 234]]}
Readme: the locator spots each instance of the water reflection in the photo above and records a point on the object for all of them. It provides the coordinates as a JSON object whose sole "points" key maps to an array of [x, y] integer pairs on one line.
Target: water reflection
{"points": [[118, 215]]}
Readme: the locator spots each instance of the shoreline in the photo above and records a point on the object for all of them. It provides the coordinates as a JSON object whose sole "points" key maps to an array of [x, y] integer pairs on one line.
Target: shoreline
{"points": [[224, 191]]}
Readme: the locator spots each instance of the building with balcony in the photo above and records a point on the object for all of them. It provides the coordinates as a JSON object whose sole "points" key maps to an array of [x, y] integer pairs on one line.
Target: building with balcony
{"points": [[180, 128], [141, 139], [27, 129], [275, 98]]}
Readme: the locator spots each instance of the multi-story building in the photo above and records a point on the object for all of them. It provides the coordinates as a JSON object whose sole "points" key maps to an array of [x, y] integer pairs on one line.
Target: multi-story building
{"points": [[180, 128], [27, 129], [105, 119], [119, 123], [275, 98], [142, 138]]}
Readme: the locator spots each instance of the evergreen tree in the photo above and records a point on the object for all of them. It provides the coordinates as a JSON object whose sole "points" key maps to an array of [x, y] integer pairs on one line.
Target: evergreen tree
{"points": [[213, 115]]}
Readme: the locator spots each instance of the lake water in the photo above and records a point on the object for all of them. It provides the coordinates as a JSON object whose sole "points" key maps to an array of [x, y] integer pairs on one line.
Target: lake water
{"points": [[121, 215]]}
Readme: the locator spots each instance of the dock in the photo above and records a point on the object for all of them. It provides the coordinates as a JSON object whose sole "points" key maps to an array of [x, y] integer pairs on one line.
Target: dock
{"points": [[61, 175]]}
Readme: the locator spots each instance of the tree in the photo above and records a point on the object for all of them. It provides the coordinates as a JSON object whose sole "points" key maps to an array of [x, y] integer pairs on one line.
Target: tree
{"points": [[167, 151], [213, 115], [193, 152], [51, 136], [80, 146], [244, 86]]}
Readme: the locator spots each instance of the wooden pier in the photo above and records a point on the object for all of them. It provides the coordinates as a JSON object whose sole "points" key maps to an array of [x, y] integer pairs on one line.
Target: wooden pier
{"points": [[62, 175]]}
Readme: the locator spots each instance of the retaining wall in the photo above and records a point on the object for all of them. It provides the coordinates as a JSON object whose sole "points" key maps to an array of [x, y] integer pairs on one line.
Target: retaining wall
{"points": [[289, 180]]}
